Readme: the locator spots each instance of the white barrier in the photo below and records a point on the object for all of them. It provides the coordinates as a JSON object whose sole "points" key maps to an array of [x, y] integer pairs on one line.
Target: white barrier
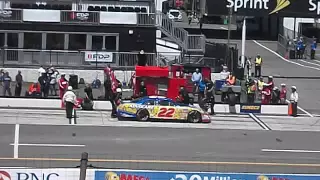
{"points": [[106, 105]]}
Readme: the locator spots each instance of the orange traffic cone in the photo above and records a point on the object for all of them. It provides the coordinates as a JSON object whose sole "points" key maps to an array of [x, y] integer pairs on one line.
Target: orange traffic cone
{"points": [[290, 109]]}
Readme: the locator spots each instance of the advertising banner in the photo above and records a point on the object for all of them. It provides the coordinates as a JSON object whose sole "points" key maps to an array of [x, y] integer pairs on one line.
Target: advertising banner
{"points": [[163, 175], [43, 174], [98, 56], [10, 15], [250, 108], [288, 8], [41, 15], [79, 17]]}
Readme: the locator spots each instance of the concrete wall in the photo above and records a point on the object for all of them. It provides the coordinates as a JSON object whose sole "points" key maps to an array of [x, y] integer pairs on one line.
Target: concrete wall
{"points": [[31, 75]]}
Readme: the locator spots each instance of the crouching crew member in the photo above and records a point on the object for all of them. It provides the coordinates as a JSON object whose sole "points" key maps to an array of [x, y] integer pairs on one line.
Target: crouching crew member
{"points": [[183, 96], [70, 100], [115, 101]]}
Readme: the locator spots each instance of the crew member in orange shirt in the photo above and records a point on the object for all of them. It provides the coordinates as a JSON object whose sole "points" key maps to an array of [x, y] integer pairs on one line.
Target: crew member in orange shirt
{"points": [[231, 79]]}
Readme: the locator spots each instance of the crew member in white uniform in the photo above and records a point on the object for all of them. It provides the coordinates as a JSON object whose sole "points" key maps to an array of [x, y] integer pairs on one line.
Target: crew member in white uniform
{"points": [[70, 99], [294, 100]]}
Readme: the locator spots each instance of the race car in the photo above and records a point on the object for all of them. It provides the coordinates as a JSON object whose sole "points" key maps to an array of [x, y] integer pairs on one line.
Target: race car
{"points": [[158, 107]]}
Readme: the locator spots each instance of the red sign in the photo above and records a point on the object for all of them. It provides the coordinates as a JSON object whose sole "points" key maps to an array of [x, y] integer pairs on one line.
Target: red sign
{"points": [[132, 177]]}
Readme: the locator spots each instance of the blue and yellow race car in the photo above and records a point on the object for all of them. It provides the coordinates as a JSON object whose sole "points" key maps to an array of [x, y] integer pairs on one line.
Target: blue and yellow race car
{"points": [[158, 107]]}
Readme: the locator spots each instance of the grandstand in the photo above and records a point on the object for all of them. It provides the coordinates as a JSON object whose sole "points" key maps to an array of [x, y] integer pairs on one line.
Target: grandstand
{"points": [[87, 33]]}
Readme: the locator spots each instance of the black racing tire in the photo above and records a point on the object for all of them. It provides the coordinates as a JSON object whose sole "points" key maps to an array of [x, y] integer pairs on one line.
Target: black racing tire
{"points": [[194, 117], [142, 115]]}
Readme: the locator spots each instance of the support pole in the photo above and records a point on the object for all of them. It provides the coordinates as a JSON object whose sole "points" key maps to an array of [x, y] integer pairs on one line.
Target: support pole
{"points": [[83, 166], [227, 57], [243, 44], [294, 28]]}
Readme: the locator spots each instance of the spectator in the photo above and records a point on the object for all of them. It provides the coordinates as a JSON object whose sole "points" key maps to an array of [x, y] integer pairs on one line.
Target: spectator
{"points": [[283, 94], [53, 81], [196, 79], [44, 83], [41, 70], [224, 73], [88, 92], [34, 90], [19, 80], [231, 79], [7, 84]]}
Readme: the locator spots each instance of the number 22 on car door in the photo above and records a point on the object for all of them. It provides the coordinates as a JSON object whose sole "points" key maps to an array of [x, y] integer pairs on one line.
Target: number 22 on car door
{"points": [[166, 112]]}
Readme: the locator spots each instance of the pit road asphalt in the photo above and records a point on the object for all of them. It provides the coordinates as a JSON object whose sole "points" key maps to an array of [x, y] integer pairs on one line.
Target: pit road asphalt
{"points": [[229, 144], [161, 148]]}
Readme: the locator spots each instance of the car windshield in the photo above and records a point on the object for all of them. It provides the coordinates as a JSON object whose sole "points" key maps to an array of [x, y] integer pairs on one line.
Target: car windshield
{"points": [[175, 14], [137, 100]]}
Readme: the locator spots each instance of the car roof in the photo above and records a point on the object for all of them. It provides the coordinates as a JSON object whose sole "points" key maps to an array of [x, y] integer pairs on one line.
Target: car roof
{"points": [[174, 10]]}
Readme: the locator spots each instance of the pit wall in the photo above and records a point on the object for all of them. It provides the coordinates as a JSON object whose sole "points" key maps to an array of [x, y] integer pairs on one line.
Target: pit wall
{"points": [[31, 75]]}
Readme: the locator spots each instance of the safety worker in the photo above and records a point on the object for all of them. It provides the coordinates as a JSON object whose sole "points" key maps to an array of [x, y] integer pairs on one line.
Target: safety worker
{"points": [[70, 100], [196, 79], [251, 92], [143, 90], [210, 94], [63, 85], [258, 64], [283, 93], [260, 84], [294, 100], [313, 49], [231, 79]]}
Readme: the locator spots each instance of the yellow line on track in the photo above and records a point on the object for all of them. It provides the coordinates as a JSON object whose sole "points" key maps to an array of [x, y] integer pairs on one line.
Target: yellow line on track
{"points": [[164, 162]]}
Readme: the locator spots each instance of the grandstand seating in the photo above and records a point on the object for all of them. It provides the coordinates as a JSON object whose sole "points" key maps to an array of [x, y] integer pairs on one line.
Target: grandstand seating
{"points": [[42, 6], [109, 8], [117, 9]]}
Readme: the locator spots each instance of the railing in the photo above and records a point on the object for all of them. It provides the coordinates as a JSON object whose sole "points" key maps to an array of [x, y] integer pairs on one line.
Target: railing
{"points": [[189, 43], [93, 59]]}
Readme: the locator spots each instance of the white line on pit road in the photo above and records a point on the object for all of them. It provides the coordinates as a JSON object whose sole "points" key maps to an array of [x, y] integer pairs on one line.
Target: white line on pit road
{"points": [[259, 122], [52, 145], [290, 150], [223, 28], [309, 62], [16, 141]]}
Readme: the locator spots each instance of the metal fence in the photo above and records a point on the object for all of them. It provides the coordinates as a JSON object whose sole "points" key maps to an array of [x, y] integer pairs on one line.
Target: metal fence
{"points": [[77, 59]]}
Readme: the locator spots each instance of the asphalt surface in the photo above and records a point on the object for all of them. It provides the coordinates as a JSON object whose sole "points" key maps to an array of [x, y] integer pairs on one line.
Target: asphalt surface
{"points": [[160, 148]]}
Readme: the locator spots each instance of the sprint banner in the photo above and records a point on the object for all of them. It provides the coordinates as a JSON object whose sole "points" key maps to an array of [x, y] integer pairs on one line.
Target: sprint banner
{"points": [[288, 8]]}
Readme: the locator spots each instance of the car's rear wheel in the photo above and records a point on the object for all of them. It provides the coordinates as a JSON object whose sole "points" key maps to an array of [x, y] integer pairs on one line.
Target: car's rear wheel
{"points": [[143, 115], [194, 117]]}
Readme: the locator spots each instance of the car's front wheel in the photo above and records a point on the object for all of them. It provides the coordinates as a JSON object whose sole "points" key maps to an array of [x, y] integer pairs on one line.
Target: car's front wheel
{"points": [[143, 115], [194, 117]]}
